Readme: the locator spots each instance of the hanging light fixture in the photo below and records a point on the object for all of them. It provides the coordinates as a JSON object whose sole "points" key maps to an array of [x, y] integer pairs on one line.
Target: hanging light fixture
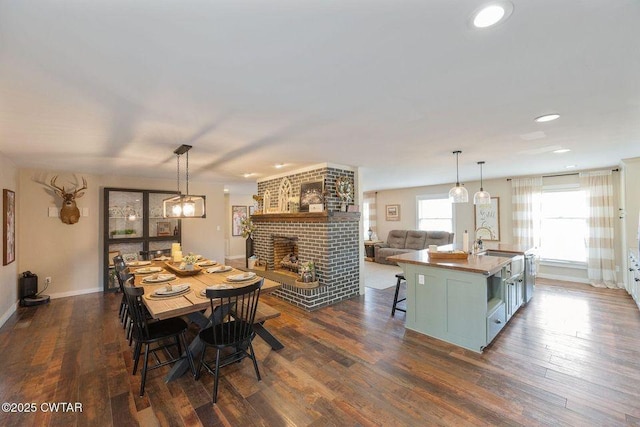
{"points": [[458, 194], [184, 205], [481, 197]]}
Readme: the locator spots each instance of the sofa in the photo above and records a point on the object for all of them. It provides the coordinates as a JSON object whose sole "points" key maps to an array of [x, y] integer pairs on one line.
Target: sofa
{"points": [[403, 241]]}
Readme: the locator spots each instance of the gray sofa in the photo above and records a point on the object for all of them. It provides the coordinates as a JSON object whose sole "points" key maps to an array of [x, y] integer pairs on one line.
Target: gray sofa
{"points": [[403, 241]]}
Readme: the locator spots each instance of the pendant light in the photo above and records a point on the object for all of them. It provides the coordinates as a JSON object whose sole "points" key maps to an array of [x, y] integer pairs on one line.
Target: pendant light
{"points": [[184, 205], [458, 194], [481, 197]]}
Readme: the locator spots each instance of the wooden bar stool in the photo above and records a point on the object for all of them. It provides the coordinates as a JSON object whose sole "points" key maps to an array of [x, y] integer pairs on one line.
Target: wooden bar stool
{"points": [[401, 278]]}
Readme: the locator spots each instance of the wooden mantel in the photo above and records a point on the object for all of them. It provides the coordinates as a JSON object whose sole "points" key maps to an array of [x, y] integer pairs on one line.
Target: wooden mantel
{"points": [[307, 217]]}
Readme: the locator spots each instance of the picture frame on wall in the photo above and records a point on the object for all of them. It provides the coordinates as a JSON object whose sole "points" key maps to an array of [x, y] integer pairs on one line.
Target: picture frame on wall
{"points": [[487, 220], [238, 214], [9, 226], [164, 228], [392, 212], [311, 193]]}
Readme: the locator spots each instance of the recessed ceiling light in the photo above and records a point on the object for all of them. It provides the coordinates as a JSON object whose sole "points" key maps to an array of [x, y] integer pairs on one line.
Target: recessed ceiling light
{"points": [[562, 150], [570, 166], [247, 175], [547, 118], [278, 165], [492, 13], [226, 190]]}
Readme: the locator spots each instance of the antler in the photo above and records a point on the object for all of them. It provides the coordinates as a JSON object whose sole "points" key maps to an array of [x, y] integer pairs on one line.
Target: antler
{"points": [[53, 184], [84, 186]]}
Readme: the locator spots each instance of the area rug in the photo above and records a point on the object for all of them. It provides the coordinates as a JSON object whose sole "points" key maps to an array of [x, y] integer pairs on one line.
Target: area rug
{"points": [[380, 276]]}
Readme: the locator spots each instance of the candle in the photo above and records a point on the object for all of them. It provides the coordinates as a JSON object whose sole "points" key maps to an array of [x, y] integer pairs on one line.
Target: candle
{"points": [[174, 248], [177, 256]]}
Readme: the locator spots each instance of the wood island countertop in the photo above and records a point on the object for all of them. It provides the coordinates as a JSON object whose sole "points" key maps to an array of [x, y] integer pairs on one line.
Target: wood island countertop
{"points": [[481, 264]]}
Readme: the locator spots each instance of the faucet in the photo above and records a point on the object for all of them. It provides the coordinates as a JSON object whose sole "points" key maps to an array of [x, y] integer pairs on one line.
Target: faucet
{"points": [[477, 244]]}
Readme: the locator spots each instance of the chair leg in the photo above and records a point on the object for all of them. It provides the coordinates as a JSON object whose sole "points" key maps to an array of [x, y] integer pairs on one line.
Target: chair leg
{"points": [[216, 375], [204, 350], [136, 356], [179, 345], [144, 369], [252, 355]]}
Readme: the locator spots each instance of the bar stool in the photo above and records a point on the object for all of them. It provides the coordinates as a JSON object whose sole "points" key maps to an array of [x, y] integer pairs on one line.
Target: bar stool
{"points": [[401, 278]]}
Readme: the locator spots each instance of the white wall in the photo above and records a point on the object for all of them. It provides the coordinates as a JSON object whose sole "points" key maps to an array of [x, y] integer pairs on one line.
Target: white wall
{"points": [[72, 254], [9, 273]]}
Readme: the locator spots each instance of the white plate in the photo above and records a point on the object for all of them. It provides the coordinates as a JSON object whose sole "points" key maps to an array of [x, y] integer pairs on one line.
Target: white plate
{"points": [[138, 263], [219, 269], [175, 289], [216, 287], [161, 278], [242, 276], [147, 270], [206, 263], [162, 258]]}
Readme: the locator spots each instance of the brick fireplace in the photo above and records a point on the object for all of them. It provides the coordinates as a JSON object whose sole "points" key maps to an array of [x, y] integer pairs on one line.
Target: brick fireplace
{"points": [[330, 239]]}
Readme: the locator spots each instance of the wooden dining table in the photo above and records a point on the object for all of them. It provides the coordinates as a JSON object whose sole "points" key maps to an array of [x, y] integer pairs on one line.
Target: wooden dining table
{"points": [[193, 303]]}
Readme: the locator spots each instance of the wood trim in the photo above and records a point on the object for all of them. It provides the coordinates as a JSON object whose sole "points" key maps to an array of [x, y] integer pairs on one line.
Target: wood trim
{"points": [[307, 217]]}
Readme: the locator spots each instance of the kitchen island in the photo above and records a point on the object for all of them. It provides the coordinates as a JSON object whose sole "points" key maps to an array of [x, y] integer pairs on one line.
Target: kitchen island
{"points": [[465, 302]]}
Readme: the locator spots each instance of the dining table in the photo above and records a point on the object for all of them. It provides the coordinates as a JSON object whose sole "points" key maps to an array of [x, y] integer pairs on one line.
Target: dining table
{"points": [[170, 290]]}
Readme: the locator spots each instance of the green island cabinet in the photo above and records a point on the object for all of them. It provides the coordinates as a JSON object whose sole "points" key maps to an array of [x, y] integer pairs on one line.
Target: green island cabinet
{"points": [[466, 303]]}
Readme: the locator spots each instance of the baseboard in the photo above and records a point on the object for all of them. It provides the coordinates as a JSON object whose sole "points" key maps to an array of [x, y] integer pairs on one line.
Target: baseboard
{"points": [[12, 309], [564, 278], [74, 293], [235, 257]]}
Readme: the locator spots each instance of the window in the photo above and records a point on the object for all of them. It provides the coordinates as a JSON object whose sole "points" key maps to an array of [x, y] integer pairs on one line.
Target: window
{"points": [[564, 225], [435, 213]]}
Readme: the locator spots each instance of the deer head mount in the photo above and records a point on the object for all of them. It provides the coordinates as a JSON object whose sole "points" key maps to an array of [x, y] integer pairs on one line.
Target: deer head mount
{"points": [[69, 214]]}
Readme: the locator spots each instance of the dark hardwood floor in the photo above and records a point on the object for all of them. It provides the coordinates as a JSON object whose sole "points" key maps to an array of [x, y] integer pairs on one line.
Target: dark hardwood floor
{"points": [[570, 357]]}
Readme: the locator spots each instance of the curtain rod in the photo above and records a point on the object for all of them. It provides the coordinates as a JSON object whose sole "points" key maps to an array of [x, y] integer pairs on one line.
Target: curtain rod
{"points": [[566, 174]]}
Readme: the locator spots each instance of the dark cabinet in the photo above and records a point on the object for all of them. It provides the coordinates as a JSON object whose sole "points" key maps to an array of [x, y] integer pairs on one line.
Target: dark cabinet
{"points": [[135, 228]]}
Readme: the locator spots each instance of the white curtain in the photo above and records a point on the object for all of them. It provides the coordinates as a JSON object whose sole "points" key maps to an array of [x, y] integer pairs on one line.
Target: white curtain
{"points": [[369, 200], [600, 247], [526, 200]]}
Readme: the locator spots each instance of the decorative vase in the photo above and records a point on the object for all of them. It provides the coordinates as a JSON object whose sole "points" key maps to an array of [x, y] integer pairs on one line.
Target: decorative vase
{"points": [[249, 250], [307, 277], [188, 267]]}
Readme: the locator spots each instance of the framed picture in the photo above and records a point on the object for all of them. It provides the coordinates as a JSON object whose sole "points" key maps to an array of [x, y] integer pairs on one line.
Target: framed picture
{"points": [[487, 220], [311, 193], [393, 212], [238, 213], [164, 228], [9, 227], [252, 210]]}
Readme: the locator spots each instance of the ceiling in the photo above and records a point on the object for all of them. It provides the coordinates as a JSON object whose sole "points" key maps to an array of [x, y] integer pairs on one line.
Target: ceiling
{"points": [[390, 86]]}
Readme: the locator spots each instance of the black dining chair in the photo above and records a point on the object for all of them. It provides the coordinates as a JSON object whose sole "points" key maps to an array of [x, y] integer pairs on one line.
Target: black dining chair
{"points": [[121, 267], [234, 314], [158, 332]]}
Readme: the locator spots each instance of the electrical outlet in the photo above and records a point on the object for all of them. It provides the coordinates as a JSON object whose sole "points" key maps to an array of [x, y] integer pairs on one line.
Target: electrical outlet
{"points": [[47, 280]]}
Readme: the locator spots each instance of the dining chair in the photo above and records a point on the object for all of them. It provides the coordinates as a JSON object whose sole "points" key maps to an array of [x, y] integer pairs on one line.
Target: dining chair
{"points": [[120, 266], [236, 311], [148, 333]]}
